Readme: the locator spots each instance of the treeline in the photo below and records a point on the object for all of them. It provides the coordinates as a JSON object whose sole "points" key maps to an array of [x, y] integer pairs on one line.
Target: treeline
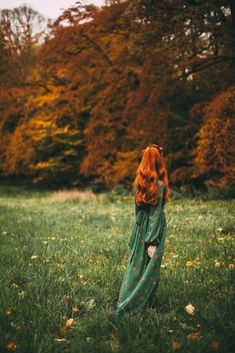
{"points": [[82, 97]]}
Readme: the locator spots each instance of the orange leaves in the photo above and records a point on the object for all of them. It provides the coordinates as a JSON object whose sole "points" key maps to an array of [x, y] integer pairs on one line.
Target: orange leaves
{"points": [[193, 336], [8, 311], [190, 309], [189, 264], [214, 346], [175, 345], [215, 150], [64, 329], [11, 346], [193, 263], [75, 309]]}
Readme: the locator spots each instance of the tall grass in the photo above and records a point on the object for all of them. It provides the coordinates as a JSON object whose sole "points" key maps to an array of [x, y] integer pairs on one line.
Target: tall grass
{"points": [[63, 255]]}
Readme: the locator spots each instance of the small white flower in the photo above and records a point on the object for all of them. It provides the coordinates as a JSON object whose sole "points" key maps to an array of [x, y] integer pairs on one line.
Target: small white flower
{"points": [[33, 257]]}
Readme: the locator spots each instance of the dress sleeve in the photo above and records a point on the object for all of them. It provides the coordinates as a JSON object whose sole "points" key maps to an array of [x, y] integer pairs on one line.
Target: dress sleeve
{"points": [[156, 220]]}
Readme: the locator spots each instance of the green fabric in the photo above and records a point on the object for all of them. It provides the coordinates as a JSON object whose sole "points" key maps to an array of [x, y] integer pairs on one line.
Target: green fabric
{"points": [[142, 273]]}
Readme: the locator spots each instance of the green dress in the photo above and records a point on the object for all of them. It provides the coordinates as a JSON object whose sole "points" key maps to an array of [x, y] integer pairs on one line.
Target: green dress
{"points": [[142, 273]]}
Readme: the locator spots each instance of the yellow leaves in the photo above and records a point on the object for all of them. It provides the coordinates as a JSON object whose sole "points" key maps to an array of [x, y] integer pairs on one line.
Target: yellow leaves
{"points": [[175, 345], [8, 311], [193, 263], [83, 282], [189, 263], [193, 336], [14, 285], [33, 257], [69, 322], [221, 264], [22, 294], [41, 100], [11, 346], [41, 165], [190, 309]]}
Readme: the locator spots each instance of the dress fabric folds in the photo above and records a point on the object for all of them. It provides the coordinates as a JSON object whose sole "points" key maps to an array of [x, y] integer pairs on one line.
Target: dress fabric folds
{"points": [[142, 274]]}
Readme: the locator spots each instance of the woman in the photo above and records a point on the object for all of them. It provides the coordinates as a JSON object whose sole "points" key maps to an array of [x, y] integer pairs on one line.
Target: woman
{"points": [[147, 240]]}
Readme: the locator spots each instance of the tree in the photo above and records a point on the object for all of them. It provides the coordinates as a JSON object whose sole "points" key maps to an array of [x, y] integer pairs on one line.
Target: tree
{"points": [[215, 151], [22, 30]]}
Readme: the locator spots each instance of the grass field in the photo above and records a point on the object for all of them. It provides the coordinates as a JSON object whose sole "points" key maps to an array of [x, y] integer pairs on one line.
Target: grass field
{"points": [[63, 256]]}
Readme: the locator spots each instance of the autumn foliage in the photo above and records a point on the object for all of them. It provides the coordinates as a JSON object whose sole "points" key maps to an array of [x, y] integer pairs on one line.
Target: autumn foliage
{"points": [[80, 99]]}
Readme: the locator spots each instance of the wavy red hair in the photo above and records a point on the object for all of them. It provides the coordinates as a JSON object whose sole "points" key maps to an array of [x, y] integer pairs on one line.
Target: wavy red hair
{"points": [[151, 169]]}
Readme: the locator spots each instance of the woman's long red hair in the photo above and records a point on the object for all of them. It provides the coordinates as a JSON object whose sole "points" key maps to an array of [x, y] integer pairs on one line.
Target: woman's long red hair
{"points": [[151, 169]]}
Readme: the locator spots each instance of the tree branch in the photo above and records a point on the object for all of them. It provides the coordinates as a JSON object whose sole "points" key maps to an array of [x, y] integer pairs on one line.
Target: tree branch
{"points": [[205, 64]]}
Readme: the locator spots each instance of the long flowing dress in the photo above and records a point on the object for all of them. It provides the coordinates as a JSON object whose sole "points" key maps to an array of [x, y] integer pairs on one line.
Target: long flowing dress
{"points": [[142, 273]]}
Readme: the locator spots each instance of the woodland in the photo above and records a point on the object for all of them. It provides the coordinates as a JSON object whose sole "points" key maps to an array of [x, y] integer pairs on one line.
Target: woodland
{"points": [[83, 95]]}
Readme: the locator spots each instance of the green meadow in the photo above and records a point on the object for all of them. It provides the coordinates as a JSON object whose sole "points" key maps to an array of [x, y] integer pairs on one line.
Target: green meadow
{"points": [[63, 255]]}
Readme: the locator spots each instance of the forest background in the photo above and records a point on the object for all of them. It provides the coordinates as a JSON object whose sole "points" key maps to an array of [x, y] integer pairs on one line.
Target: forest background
{"points": [[82, 96]]}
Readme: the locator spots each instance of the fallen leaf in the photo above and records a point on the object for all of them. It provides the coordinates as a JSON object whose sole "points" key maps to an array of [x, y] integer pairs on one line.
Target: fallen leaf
{"points": [[11, 346], [175, 345], [8, 311], [14, 285], [62, 330], [33, 257], [75, 309], [193, 336], [189, 263], [214, 346], [190, 309], [59, 340], [69, 322]]}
